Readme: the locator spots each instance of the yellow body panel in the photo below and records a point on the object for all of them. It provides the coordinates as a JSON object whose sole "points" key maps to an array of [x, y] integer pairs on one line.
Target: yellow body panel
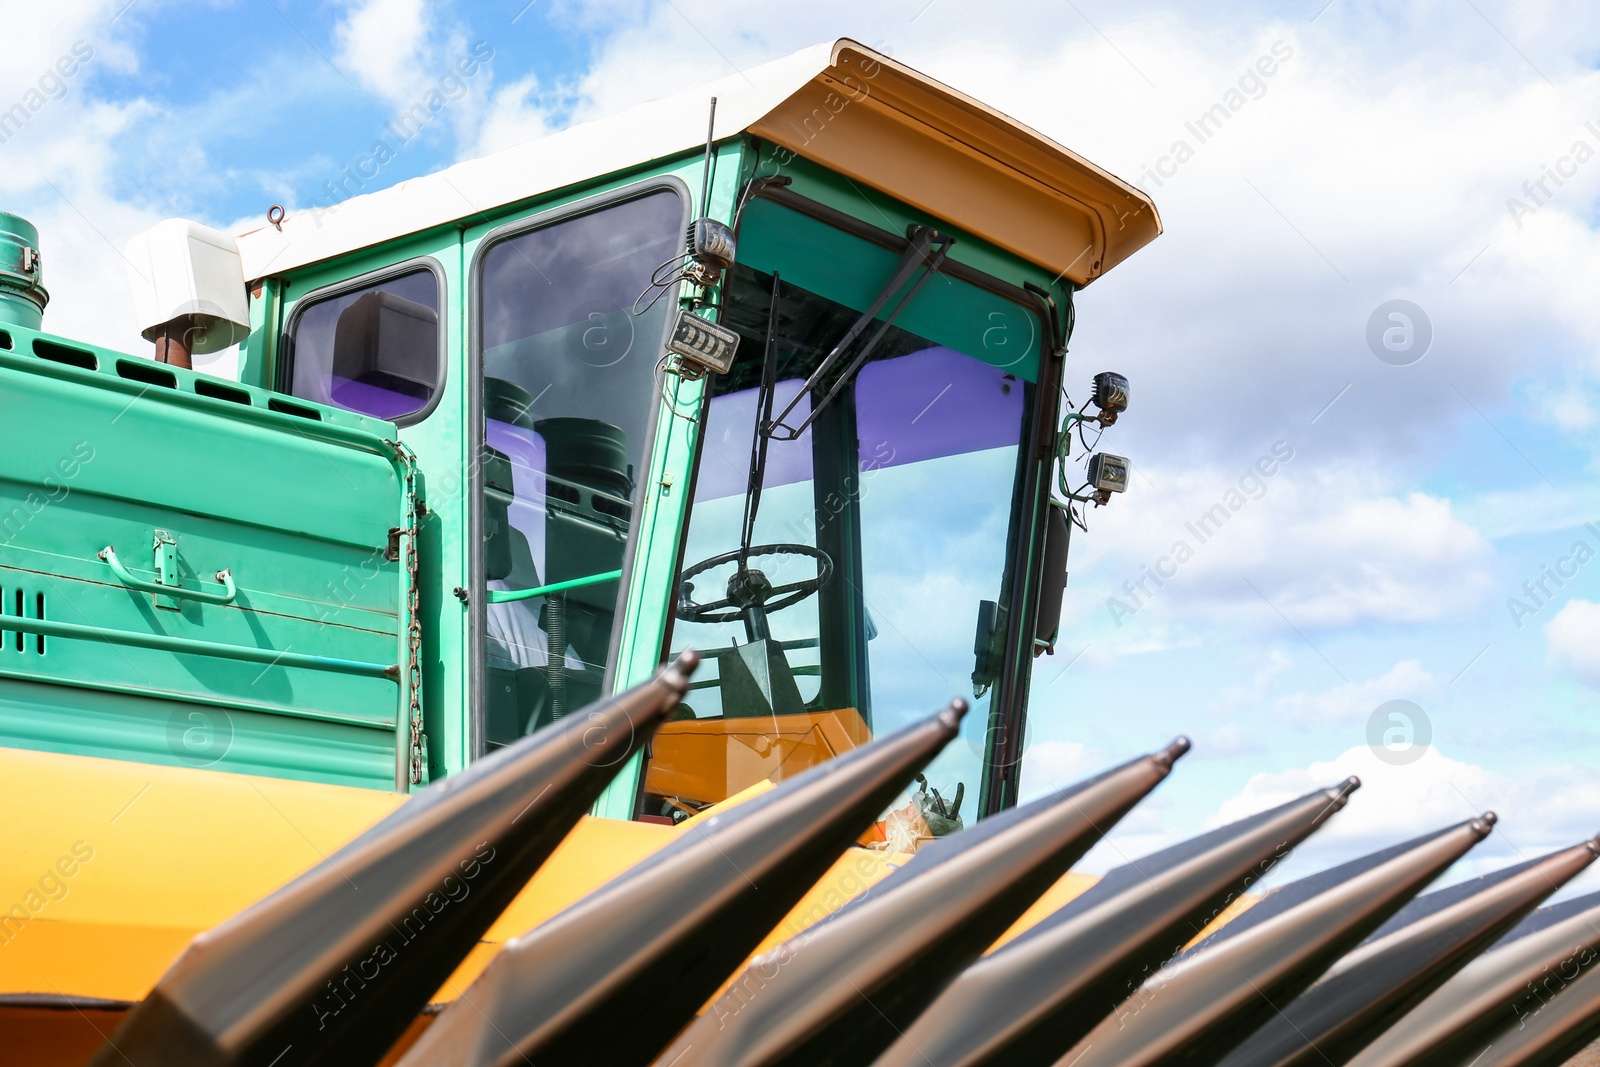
{"points": [[174, 851], [111, 868]]}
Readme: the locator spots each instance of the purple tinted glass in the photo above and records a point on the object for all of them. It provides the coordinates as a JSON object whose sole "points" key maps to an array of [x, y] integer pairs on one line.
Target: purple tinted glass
{"points": [[933, 403], [372, 350]]}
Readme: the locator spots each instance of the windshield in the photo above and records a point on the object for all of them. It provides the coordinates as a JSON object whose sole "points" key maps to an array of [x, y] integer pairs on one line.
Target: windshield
{"points": [[881, 540]]}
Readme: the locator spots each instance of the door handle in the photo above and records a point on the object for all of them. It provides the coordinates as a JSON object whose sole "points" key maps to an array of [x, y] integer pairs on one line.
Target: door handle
{"points": [[126, 577]]}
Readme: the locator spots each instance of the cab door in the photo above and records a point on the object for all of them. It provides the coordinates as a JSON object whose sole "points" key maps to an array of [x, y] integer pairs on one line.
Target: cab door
{"points": [[567, 332]]}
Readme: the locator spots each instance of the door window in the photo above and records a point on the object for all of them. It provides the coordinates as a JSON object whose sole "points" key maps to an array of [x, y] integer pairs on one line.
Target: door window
{"points": [[568, 359]]}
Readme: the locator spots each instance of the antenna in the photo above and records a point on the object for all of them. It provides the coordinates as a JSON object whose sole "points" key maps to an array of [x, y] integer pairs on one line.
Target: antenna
{"points": [[705, 180]]}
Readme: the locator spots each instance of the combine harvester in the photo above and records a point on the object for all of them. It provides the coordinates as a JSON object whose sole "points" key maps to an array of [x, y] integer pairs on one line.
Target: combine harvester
{"points": [[350, 710]]}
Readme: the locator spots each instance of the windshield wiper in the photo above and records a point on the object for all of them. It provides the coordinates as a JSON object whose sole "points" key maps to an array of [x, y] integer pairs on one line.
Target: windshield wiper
{"points": [[924, 240]]}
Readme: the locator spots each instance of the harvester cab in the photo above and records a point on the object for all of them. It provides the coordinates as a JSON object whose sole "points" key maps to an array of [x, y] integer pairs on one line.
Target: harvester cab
{"points": [[791, 394], [505, 439]]}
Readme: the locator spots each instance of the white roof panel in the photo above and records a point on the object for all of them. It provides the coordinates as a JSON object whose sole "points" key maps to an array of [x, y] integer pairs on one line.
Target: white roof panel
{"points": [[906, 135]]}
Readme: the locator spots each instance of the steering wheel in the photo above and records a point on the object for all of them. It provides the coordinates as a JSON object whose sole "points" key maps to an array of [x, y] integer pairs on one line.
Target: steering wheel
{"points": [[749, 588]]}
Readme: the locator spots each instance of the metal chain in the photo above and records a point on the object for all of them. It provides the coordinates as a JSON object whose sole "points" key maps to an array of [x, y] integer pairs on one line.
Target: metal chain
{"points": [[414, 667], [414, 630]]}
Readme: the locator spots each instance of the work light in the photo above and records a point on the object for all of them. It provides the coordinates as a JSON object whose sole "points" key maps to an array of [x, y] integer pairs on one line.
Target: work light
{"points": [[1110, 396], [1108, 474]]}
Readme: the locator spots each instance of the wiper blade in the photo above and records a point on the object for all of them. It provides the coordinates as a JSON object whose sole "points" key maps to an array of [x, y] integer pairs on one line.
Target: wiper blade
{"points": [[927, 249]]}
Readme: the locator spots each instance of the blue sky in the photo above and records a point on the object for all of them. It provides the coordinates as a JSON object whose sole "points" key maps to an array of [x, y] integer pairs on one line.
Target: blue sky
{"points": [[1379, 161]]}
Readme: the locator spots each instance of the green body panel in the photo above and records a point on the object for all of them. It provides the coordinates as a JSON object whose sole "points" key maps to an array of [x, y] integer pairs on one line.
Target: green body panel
{"points": [[886, 213], [301, 510], [807, 253], [439, 443], [297, 509]]}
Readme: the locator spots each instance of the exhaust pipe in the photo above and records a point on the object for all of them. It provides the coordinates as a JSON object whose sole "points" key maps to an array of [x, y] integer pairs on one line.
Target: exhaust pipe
{"points": [[842, 992], [656, 943], [1030, 1000], [332, 968], [22, 292]]}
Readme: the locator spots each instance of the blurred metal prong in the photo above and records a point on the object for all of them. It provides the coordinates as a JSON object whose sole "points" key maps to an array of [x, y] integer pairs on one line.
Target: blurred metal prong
{"points": [[335, 965], [1197, 1008], [843, 991], [1363, 994], [613, 978], [1028, 1001]]}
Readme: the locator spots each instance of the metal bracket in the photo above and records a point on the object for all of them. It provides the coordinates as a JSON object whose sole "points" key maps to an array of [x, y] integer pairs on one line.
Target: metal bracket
{"points": [[166, 568], [168, 588]]}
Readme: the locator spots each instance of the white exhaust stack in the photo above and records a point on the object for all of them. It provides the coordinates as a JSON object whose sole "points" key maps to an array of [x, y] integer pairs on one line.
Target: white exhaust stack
{"points": [[188, 290]]}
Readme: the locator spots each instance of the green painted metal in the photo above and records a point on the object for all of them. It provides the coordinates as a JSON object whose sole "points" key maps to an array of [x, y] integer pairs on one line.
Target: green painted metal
{"points": [[296, 501], [171, 589], [312, 512], [822, 260], [886, 213], [506, 596], [257, 352], [442, 462], [663, 513], [190, 647], [22, 293], [267, 741]]}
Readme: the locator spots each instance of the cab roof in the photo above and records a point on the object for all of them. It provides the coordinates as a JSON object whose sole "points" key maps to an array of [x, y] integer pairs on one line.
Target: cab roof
{"points": [[841, 105]]}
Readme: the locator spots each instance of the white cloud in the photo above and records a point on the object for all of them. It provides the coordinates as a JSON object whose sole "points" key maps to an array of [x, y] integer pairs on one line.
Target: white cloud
{"points": [[1326, 547], [1537, 508], [515, 114], [1574, 639], [386, 45], [409, 55], [59, 164], [1353, 702], [1540, 808], [1049, 765]]}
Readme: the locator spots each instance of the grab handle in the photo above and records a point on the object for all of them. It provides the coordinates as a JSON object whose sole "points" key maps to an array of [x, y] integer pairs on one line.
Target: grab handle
{"points": [[126, 577]]}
